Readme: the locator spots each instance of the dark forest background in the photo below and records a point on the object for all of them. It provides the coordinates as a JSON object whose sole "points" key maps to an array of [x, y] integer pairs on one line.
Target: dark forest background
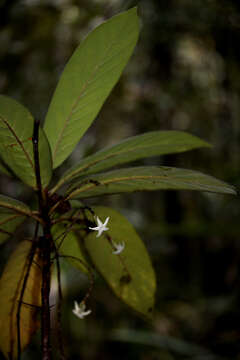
{"points": [[184, 75]]}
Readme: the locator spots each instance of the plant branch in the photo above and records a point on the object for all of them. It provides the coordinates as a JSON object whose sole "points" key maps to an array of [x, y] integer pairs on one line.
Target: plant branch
{"points": [[59, 305], [45, 250], [20, 301]]}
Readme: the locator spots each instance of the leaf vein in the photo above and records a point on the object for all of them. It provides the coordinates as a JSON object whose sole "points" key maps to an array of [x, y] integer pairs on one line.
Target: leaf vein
{"points": [[18, 140], [75, 104]]}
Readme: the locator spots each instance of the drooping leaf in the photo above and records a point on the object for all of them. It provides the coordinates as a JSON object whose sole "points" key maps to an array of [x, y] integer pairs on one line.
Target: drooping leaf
{"points": [[68, 243], [16, 206], [16, 148], [9, 221], [87, 80], [134, 148], [10, 289], [69, 246], [129, 274], [147, 178]]}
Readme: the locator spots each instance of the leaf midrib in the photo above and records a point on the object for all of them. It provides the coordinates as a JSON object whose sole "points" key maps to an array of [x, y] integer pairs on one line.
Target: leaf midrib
{"points": [[119, 179], [127, 178], [10, 218], [103, 158], [18, 140], [84, 86], [75, 104], [18, 210], [87, 166]]}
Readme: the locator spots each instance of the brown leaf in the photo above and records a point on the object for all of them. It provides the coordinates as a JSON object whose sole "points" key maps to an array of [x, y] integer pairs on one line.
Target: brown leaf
{"points": [[11, 284]]}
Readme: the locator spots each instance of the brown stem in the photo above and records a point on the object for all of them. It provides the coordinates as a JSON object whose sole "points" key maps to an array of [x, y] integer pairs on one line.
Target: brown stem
{"points": [[45, 248], [45, 291], [60, 297], [20, 301]]}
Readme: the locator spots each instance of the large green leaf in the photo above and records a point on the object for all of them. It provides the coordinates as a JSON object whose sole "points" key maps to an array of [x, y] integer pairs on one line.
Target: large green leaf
{"points": [[16, 148], [147, 178], [134, 148], [129, 274], [87, 80], [10, 290]]}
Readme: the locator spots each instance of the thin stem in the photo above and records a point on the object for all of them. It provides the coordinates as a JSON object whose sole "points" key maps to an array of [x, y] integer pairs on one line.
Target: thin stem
{"points": [[90, 273], [45, 291], [52, 209], [88, 268], [45, 247], [37, 164], [66, 232], [56, 187], [59, 305]]}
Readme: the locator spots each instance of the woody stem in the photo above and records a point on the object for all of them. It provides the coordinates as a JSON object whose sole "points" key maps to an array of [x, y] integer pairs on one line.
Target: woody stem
{"points": [[45, 249]]}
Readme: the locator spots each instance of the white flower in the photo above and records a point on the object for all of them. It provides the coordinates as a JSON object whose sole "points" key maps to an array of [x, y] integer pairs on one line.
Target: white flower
{"points": [[119, 247], [100, 226], [79, 310]]}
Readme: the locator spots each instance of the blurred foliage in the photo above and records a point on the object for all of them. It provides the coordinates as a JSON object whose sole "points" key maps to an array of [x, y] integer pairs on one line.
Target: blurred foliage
{"points": [[184, 75]]}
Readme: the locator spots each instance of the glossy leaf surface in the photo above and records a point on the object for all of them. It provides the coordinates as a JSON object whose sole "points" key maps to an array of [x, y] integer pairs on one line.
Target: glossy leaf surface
{"points": [[129, 274], [138, 147], [16, 148], [10, 288], [147, 178], [87, 80]]}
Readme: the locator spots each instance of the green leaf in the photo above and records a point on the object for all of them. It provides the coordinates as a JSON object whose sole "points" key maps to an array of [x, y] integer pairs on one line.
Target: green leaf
{"points": [[129, 274], [147, 178], [15, 206], [69, 246], [12, 214], [134, 148], [9, 221], [87, 80], [16, 148], [4, 169], [10, 289]]}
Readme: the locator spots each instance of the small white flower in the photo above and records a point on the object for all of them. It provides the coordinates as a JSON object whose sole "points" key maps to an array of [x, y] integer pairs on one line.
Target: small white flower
{"points": [[100, 226], [119, 247], [79, 310]]}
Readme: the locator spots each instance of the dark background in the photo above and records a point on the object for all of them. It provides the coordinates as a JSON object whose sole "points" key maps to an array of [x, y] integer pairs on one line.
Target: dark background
{"points": [[184, 75]]}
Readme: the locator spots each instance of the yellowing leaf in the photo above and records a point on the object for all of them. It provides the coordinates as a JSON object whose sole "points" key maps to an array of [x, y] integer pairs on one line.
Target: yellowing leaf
{"points": [[10, 289]]}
